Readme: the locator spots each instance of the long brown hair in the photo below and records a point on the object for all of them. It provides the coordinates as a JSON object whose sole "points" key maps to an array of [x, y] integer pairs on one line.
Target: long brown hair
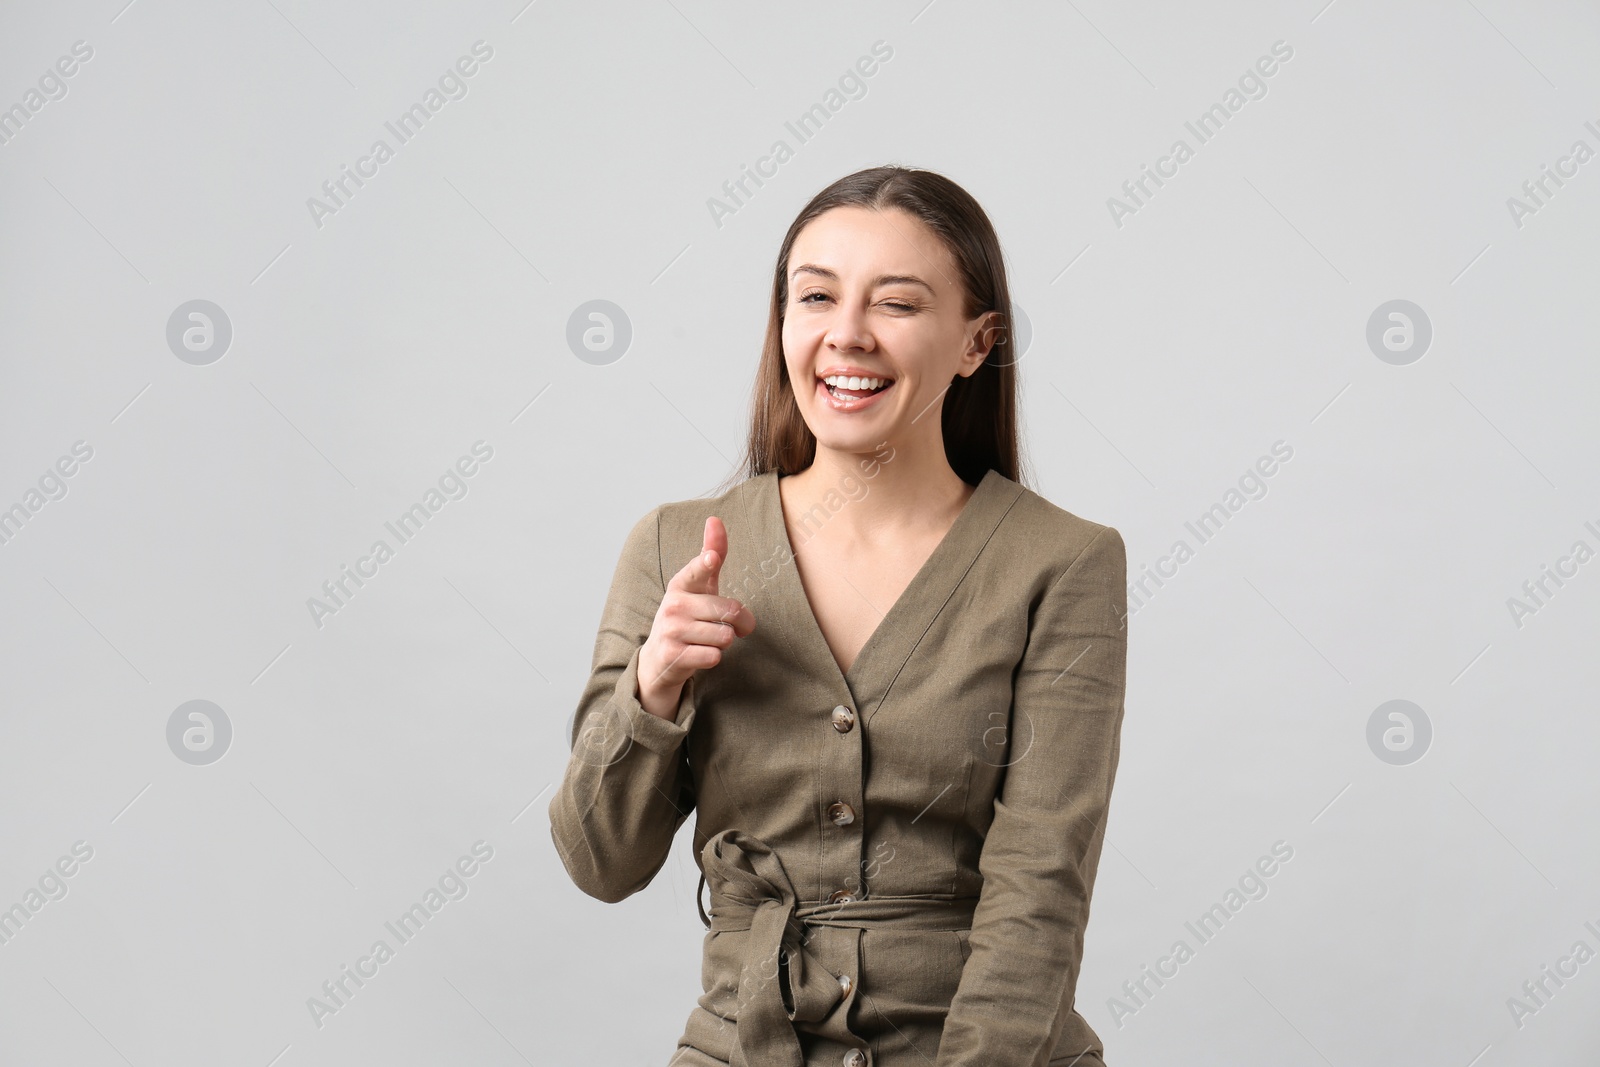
{"points": [[979, 414]]}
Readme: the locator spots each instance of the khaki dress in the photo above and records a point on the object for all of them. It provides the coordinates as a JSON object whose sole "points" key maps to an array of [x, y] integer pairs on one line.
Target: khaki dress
{"points": [[899, 858]]}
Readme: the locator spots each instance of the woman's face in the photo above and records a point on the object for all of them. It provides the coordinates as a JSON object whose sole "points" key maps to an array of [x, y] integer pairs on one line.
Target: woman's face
{"points": [[876, 295]]}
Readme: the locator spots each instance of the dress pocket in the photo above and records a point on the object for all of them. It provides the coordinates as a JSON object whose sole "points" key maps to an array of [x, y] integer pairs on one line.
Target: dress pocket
{"points": [[912, 975], [908, 979]]}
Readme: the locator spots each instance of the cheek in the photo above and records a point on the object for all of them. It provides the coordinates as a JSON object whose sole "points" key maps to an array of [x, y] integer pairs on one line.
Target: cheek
{"points": [[799, 346], [797, 335]]}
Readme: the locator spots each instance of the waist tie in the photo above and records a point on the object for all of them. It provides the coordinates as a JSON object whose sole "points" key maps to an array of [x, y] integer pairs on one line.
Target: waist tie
{"points": [[782, 983]]}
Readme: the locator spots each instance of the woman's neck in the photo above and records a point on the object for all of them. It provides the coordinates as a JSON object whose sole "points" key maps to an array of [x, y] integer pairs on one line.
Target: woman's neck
{"points": [[886, 493]]}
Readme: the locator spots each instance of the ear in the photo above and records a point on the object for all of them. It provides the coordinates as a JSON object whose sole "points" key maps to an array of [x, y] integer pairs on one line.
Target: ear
{"points": [[985, 330]]}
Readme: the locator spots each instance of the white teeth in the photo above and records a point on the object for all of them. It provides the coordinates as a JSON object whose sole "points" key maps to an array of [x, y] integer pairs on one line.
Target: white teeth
{"points": [[841, 381]]}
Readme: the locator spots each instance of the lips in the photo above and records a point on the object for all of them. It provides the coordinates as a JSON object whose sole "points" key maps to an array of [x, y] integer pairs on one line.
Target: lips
{"points": [[849, 400]]}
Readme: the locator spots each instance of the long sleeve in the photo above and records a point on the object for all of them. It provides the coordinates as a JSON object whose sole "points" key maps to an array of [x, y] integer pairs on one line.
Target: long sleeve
{"points": [[627, 785], [1042, 851]]}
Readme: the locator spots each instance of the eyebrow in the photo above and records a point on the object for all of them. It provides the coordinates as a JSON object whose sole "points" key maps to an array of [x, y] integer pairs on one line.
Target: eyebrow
{"points": [[882, 279]]}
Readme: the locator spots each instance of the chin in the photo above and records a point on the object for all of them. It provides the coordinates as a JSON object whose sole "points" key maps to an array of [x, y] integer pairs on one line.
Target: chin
{"points": [[853, 443]]}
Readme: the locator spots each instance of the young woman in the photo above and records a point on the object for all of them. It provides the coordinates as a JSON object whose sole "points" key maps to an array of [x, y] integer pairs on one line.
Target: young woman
{"points": [[886, 675]]}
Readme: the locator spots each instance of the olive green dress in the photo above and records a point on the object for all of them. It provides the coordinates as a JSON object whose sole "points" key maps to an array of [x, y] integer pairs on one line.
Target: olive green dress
{"points": [[899, 858]]}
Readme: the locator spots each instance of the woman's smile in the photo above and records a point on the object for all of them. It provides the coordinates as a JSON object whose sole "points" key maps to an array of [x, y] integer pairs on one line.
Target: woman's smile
{"points": [[848, 392]]}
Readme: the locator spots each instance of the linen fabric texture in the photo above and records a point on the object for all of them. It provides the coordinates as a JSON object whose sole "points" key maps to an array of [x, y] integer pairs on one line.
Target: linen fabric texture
{"points": [[899, 858]]}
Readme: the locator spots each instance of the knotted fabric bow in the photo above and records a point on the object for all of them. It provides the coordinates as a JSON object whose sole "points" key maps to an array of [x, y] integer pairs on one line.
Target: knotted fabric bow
{"points": [[783, 985], [751, 891]]}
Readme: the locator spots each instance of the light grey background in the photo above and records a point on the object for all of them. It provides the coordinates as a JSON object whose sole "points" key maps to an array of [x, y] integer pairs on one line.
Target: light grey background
{"points": [[431, 312]]}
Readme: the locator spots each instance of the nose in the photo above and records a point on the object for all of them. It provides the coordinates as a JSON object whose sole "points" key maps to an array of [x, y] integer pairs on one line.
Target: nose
{"points": [[847, 328]]}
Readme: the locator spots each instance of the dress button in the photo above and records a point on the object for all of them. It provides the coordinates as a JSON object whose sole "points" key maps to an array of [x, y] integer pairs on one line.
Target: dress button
{"points": [[841, 813], [840, 896], [845, 983], [854, 1058], [843, 719]]}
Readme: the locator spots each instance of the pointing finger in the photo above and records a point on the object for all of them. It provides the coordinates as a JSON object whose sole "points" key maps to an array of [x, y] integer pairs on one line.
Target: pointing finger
{"points": [[716, 541], [700, 574]]}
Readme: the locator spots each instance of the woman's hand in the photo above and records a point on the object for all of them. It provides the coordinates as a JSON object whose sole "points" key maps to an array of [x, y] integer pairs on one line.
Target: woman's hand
{"points": [[692, 627]]}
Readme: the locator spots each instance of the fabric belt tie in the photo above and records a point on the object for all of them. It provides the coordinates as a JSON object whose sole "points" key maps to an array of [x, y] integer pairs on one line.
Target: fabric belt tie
{"points": [[782, 982]]}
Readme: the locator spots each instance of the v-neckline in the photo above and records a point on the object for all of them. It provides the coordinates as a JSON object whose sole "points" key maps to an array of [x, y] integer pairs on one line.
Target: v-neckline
{"points": [[955, 552]]}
